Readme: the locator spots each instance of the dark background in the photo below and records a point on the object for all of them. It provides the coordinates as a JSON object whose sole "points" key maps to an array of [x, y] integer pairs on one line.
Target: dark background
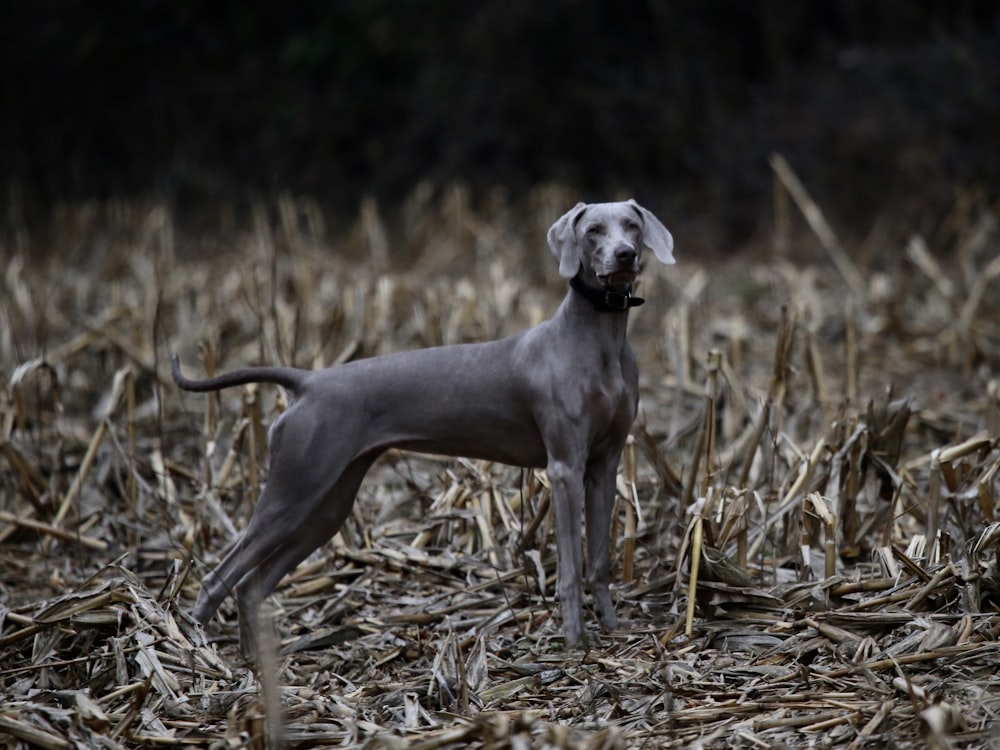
{"points": [[879, 106]]}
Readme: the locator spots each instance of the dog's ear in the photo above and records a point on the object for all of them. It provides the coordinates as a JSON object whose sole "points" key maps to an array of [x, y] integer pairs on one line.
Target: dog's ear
{"points": [[655, 235], [562, 241]]}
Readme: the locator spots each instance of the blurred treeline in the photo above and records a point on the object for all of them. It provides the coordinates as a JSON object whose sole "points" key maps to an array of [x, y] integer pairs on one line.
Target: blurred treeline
{"points": [[872, 102]]}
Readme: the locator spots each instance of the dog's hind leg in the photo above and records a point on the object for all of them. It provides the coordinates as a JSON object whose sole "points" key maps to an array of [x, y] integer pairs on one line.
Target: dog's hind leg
{"points": [[299, 484], [296, 545]]}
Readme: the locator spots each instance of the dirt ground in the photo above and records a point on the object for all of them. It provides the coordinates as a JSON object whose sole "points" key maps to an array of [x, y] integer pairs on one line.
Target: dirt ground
{"points": [[806, 535]]}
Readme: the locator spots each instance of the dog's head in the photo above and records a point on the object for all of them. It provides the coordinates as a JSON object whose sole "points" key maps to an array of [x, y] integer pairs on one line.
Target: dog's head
{"points": [[605, 241]]}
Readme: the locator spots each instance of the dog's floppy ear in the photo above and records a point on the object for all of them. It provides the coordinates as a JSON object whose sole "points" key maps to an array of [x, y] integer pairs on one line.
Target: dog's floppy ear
{"points": [[562, 241], [655, 235]]}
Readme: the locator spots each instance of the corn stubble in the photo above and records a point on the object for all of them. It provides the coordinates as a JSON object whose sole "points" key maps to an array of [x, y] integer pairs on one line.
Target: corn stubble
{"points": [[806, 531]]}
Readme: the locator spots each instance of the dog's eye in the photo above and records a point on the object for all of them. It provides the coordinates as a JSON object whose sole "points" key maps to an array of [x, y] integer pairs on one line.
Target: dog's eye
{"points": [[632, 226], [595, 229]]}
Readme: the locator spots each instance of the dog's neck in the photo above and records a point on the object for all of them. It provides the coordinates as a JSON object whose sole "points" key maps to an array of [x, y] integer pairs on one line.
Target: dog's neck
{"points": [[606, 300]]}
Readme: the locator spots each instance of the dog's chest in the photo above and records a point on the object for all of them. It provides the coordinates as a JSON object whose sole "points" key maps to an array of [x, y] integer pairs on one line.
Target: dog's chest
{"points": [[615, 396]]}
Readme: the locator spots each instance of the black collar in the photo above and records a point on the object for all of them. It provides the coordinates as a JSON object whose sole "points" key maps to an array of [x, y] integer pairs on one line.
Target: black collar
{"points": [[604, 300]]}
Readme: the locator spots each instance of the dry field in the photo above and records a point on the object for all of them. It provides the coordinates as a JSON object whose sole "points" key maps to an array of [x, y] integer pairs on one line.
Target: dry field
{"points": [[806, 536]]}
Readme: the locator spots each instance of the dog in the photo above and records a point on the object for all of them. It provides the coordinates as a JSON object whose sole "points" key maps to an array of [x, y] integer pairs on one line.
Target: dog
{"points": [[560, 396]]}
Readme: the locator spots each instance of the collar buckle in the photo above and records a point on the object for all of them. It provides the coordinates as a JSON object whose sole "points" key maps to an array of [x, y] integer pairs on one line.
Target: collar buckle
{"points": [[604, 300], [617, 300]]}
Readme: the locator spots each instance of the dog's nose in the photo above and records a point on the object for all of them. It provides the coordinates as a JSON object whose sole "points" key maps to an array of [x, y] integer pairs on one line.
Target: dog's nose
{"points": [[625, 254]]}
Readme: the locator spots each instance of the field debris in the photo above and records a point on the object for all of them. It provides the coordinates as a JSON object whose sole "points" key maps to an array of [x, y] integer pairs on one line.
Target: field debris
{"points": [[806, 536]]}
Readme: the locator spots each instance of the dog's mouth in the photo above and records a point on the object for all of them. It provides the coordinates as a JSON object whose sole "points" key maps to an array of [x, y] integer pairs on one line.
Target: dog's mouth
{"points": [[617, 278]]}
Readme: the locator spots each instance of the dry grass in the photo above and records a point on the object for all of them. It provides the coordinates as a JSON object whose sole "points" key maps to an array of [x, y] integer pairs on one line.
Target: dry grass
{"points": [[807, 533]]}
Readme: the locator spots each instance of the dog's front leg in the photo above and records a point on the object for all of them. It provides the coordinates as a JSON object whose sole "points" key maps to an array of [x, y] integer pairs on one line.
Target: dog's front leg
{"points": [[600, 502], [566, 480]]}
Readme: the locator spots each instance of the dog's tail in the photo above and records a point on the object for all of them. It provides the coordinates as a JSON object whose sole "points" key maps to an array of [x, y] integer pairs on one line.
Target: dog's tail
{"points": [[286, 377]]}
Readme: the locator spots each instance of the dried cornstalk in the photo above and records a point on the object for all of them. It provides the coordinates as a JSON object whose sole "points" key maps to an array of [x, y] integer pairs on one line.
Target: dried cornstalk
{"points": [[117, 391], [820, 507], [814, 216], [697, 537], [631, 501]]}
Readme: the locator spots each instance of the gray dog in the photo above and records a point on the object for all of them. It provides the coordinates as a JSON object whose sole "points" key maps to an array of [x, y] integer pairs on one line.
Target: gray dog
{"points": [[560, 396]]}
